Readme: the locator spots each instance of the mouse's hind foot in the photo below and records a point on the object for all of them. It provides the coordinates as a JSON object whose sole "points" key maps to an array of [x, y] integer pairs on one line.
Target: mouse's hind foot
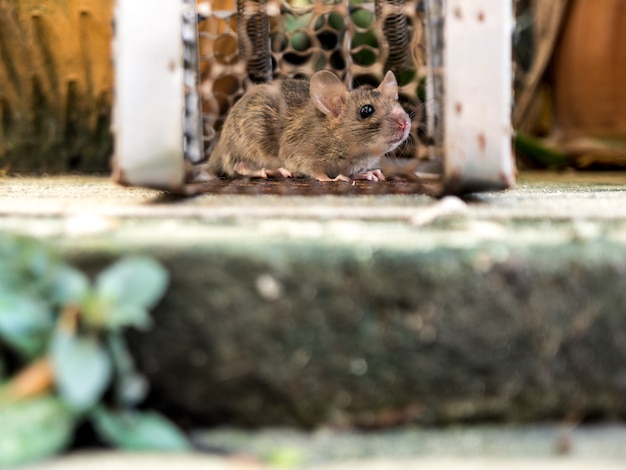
{"points": [[279, 173], [372, 175], [243, 170]]}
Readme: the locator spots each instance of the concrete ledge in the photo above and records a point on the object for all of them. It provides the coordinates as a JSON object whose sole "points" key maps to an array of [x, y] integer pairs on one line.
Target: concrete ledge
{"points": [[371, 311], [477, 447]]}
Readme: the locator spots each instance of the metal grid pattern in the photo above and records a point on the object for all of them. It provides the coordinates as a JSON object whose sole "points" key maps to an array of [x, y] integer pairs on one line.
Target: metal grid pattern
{"points": [[261, 40], [434, 80], [192, 144]]}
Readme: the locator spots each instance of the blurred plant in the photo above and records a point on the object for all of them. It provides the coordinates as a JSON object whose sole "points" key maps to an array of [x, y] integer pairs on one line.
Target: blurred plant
{"points": [[62, 349]]}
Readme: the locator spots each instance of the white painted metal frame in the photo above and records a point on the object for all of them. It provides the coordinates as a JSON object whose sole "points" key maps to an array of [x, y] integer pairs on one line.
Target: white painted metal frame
{"points": [[478, 95], [149, 94], [149, 106]]}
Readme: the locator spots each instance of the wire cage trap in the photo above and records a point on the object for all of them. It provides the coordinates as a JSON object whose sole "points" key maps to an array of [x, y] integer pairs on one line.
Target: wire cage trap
{"points": [[180, 66]]}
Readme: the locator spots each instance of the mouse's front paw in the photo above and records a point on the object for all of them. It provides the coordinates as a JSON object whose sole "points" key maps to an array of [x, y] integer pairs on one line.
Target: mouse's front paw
{"points": [[372, 175]]}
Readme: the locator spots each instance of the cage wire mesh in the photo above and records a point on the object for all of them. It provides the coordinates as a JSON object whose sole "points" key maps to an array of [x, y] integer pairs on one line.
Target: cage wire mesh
{"points": [[255, 41], [192, 120]]}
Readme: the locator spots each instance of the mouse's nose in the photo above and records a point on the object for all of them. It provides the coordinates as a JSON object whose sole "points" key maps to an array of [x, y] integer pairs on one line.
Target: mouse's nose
{"points": [[403, 123], [402, 119]]}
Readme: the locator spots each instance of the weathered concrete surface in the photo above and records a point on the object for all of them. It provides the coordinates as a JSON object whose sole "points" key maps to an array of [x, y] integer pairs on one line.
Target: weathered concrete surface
{"points": [[200, 462], [371, 310], [477, 447], [538, 442]]}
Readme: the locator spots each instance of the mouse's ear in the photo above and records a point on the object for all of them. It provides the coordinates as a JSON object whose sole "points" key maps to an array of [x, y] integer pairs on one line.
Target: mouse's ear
{"points": [[328, 93], [389, 86]]}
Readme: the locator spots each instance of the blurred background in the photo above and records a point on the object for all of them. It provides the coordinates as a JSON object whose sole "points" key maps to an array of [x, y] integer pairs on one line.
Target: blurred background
{"points": [[56, 85]]}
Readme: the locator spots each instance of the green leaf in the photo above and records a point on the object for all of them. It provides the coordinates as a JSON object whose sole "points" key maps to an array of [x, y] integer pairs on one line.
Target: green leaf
{"points": [[139, 431], [70, 286], [122, 315], [130, 386], [37, 258], [25, 263], [25, 323], [129, 288], [34, 429], [537, 150], [82, 369]]}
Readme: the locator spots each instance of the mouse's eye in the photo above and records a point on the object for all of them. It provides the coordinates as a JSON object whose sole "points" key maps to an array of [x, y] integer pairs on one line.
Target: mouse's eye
{"points": [[366, 111]]}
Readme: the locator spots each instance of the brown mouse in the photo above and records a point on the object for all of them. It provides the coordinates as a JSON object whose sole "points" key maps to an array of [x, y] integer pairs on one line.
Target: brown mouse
{"points": [[318, 129]]}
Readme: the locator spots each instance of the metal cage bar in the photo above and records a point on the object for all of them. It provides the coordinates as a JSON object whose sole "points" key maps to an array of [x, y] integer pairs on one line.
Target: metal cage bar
{"points": [[159, 82], [477, 92], [149, 94]]}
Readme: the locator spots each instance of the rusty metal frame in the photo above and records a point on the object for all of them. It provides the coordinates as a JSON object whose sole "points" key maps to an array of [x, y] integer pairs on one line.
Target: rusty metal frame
{"points": [[478, 99]]}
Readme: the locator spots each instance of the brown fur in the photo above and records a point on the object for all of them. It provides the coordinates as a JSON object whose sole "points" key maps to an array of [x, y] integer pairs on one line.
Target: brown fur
{"points": [[309, 129]]}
